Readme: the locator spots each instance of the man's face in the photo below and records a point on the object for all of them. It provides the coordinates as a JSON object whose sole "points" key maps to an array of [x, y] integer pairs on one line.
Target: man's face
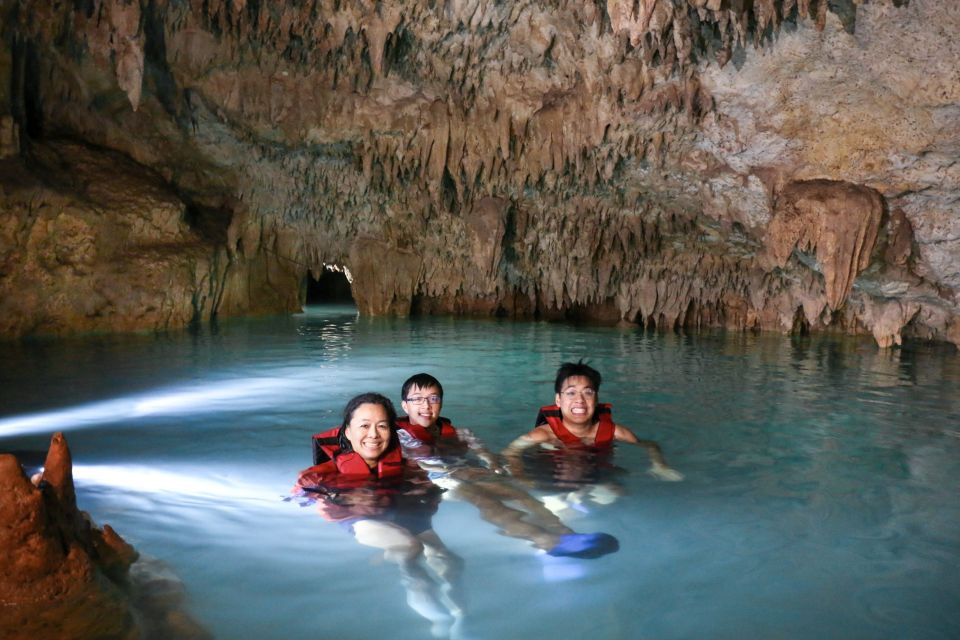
{"points": [[577, 400], [423, 405]]}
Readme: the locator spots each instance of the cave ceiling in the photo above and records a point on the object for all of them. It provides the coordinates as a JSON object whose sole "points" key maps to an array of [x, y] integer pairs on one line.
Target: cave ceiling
{"points": [[783, 165]]}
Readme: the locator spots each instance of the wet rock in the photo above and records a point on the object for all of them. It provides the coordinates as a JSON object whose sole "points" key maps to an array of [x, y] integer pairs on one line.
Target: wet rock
{"points": [[384, 277], [9, 137], [51, 585], [63, 577]]}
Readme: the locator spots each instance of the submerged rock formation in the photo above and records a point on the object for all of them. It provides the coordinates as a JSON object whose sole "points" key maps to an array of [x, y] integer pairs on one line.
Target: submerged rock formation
{"points": [[63, 577], [778, 164]]}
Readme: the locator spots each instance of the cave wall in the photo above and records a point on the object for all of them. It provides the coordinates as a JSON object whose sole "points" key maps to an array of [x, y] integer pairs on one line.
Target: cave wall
{"points": [[776, 164]]}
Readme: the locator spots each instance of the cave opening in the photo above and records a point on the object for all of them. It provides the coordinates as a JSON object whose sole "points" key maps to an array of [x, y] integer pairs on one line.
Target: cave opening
{"points": [[26, 103], [331, 287]]}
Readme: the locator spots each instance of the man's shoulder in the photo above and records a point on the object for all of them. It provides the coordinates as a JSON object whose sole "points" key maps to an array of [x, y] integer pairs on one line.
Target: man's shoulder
{"points": [[623, 433], [541, 433]]}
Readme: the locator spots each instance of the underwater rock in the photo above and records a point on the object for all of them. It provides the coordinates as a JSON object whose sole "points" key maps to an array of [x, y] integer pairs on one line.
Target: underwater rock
{"points": [[61, 576]]}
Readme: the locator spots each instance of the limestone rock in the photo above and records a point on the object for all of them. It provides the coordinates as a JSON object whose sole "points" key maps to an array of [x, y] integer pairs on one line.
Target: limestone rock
{"points": [[664, 162], [384, 277], [9, 137], [63, 577], [51, 584], [839, 222]]}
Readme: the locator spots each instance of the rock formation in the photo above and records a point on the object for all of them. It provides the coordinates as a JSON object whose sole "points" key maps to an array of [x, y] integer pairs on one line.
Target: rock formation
{"points": [[63, 577], [774, 164]]}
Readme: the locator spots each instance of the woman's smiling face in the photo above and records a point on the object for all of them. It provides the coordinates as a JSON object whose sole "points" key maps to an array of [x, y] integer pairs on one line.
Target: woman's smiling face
{"points": [[369, 432]]}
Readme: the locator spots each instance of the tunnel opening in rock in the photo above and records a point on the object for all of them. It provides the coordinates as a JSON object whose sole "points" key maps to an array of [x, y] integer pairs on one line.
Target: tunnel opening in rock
{"points": [[800, 327], [26, 105], [331, 287]]}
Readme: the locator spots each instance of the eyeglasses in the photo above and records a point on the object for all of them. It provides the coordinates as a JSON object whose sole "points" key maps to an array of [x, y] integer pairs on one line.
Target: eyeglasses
{"points": [[422, 399], [570, 394]]}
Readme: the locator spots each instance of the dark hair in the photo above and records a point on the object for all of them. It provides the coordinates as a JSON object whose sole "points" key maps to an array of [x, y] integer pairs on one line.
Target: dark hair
{"points": [[571, 369], [421, 380], [368, 398]]}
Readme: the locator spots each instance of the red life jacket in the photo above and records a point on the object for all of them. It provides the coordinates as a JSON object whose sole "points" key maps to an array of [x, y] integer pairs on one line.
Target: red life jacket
{"points": [[390, 464], [346, 469], [552, 416], [326, 445], [422, 434]]}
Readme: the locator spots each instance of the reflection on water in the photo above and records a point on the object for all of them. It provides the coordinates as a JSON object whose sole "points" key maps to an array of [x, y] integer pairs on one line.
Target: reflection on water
{"points": [[819, 498]]}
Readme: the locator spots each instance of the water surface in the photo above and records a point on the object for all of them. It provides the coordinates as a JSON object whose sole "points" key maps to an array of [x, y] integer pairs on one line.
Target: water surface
{"points": [[819, 499]]}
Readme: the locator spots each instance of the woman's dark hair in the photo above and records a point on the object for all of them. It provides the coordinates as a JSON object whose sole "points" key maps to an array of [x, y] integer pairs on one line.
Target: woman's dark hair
{"points": [[571, 369], [368, 398]]}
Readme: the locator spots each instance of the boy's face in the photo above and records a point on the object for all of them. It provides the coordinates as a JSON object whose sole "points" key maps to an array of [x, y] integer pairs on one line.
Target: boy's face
{"points": [[419, 406], [577, 400]]}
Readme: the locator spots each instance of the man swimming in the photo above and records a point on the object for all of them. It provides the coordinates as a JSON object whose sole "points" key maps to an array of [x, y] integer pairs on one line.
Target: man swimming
{"points": [[578, 419], [443, 450], [424, 434]]}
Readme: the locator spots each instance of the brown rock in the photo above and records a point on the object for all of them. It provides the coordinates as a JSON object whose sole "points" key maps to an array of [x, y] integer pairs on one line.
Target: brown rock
{"points": [[384, 277], [50, 585], [839, 222], [513, 158], [61, 576], [900, 239]]}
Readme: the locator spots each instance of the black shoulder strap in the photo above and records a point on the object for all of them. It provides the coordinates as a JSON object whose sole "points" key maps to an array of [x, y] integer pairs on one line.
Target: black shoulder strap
{"points": [[319, 455], [542, 415]]}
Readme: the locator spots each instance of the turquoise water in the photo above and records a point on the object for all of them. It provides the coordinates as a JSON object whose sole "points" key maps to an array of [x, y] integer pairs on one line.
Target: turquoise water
{"points": [[820, 498]]}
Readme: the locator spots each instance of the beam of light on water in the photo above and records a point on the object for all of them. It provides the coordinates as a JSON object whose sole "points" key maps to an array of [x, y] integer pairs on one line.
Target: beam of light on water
{"points": [[229, 396], [233, 395], [201, 486]]}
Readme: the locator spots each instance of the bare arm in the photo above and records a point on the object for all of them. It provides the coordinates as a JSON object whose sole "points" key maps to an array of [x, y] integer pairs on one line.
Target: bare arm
{"points": [[513, 454], [486, 456], [658, 465]]}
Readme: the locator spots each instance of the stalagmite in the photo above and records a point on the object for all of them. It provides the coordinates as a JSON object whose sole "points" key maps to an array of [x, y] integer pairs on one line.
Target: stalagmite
{"points": [[61, 576]]}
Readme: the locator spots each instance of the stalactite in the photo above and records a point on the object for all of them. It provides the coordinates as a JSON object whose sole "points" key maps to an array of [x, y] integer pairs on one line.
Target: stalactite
{"points": [[567, 115]]}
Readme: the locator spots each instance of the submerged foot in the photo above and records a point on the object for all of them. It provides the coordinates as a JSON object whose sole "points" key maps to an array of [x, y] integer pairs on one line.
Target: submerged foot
{"points": [[585, 545]]}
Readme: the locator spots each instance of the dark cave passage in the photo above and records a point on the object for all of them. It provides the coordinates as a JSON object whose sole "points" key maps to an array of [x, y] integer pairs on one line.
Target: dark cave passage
{"points": [[332, 287]]}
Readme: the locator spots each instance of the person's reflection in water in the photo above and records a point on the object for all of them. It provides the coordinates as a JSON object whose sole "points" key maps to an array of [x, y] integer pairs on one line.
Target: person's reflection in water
{"points": [[367, 487], [448, 453], [570, 480]]}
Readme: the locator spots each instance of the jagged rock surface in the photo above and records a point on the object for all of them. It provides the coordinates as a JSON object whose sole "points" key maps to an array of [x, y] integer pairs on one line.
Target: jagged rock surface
{"points": [[63, 577], [779, 164]]}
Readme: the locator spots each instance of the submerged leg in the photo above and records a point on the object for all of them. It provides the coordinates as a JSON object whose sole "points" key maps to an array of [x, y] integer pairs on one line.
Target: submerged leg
{"points": [[403, 548], [533, 521], [448, 568]]}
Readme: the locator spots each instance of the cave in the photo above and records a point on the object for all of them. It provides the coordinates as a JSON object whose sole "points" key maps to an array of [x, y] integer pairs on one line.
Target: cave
{"points": [[332, 287], [612, 161], [743, 211]]}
